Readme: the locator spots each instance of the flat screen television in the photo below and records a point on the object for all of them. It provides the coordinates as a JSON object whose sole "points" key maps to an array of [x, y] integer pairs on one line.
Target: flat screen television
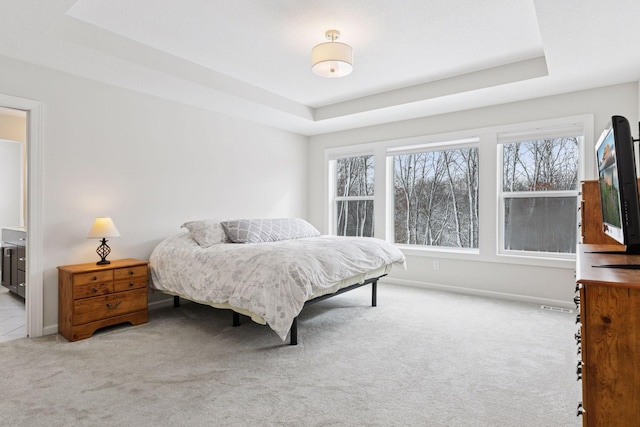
{"points": [[618, 184]]}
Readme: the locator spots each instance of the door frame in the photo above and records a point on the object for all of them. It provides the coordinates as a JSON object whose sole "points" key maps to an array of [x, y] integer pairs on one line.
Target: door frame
{"points": [[34, 301]]}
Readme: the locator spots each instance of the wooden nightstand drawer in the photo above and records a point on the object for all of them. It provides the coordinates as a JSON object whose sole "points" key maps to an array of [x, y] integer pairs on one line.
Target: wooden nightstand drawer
{"points": [[125, 273], [93, 296], [133, 283], [94, 277], [91, 309], [92, 289]]}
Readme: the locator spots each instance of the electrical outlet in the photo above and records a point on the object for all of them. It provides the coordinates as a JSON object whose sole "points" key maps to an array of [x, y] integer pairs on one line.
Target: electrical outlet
{"points": [[436, 265]]}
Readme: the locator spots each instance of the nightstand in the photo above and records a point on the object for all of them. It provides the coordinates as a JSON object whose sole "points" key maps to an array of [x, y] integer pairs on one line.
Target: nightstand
{"points": [[93, 296]]}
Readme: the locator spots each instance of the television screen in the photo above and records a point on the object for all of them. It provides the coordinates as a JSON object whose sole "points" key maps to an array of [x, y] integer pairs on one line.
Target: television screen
{"points": [[618, 184]]}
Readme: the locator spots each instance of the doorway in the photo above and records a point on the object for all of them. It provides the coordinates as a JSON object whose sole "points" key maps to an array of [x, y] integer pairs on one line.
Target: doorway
{"points": [[32, 211], [13, 149]]}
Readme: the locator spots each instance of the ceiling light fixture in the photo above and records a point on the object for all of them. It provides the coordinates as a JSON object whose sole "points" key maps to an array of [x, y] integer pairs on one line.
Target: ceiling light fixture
{"points": [[332, 59]]}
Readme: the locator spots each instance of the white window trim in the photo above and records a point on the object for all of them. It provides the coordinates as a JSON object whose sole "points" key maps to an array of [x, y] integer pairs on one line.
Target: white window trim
{"points": [[331, 156], [489, 201], [456, 144], [555, 130]]}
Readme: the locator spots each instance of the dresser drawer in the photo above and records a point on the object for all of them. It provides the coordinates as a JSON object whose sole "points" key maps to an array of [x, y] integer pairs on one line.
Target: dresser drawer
{"points": [[93, 277], [125, 273], [133, 283], [97, 308], [93, 296], [92, 289], [22, 258]]}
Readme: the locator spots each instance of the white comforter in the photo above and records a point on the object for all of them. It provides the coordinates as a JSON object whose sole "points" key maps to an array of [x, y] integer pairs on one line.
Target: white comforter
{"points": [[272, 280]]}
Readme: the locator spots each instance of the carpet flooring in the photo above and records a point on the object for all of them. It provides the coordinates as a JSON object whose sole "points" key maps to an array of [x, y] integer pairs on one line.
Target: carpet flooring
{"points": [[421, 358]]}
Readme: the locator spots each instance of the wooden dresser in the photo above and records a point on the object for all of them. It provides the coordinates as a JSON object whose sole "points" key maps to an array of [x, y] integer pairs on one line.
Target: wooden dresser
{"points": [[608, 337], [93, 296]]}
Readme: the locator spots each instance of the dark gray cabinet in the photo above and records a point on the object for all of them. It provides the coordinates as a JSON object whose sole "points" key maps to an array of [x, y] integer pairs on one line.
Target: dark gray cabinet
{"points": [[14, 256]]}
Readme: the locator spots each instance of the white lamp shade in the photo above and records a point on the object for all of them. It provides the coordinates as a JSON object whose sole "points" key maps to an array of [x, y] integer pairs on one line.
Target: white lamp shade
{"points": [[332, 59], [103, 227]]}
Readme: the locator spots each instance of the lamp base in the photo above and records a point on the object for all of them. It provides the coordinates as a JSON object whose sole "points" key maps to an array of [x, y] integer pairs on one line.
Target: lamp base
{"points": [[103, 250]]}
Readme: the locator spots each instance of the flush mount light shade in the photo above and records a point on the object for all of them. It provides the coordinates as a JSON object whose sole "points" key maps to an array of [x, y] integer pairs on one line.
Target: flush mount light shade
{"points": [[332, 59]]}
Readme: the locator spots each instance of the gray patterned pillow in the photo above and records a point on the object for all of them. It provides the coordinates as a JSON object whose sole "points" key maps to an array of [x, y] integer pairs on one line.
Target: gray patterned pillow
{"points": [[268, 230], [206, 232]]}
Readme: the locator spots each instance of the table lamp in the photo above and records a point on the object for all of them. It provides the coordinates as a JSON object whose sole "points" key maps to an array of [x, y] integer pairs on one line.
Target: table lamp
{"points": [[101, 229]]}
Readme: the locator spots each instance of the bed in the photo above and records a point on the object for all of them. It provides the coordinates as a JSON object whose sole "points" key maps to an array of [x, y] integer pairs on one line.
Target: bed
{"points": [[266, 269]]}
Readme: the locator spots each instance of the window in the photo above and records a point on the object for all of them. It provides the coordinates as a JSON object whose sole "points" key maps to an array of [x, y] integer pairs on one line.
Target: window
{"points": [[353, 198], [539, 194], [431, 197], [436, 198]]}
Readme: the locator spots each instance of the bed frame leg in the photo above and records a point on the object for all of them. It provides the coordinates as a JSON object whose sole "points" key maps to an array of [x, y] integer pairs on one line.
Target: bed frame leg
{"points": [[374, 293], [293, 332], [236, 319], [176, 301]]}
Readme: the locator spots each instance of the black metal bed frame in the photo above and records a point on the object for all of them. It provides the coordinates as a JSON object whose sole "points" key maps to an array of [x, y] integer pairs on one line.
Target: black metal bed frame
{"points": [[293, 332]]}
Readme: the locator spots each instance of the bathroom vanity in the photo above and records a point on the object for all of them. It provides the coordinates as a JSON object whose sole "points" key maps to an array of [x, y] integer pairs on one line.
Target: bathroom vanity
{"points": [[14, 256]]}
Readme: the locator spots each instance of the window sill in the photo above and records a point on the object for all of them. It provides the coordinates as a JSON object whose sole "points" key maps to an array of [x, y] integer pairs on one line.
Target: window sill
{"points": [[475, 255]]}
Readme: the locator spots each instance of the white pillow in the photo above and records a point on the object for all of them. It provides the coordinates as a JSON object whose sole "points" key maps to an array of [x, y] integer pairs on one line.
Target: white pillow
{"points": [[206, 232], [268, 230]]}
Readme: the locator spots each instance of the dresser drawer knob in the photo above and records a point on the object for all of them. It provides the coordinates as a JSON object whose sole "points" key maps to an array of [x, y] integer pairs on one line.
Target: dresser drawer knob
{"points": [[112, 306], [130, 272], [581, 410], [94, 278], [131, 284], [94, 290]]}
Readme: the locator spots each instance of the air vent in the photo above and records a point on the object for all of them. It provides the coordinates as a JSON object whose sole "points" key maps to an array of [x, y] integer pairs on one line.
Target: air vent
{"points": [[558, 309]]}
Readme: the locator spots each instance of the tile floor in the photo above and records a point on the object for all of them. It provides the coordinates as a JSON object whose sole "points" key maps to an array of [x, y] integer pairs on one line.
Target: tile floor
{"points": [[12, 316]]}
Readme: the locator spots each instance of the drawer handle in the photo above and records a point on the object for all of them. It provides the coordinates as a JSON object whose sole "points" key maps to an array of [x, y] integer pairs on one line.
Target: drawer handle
{"points": [[130, 272], [94, 278], [579, 370], [581, 409], [94, 290], [131, 284], [112, 306], [22, 259], [21, 284]]}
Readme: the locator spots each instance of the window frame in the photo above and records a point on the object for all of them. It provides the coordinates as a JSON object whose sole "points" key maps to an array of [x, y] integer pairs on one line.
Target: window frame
{"points": [[524, 135], [489, 203], [333, 198], [439, 146]]}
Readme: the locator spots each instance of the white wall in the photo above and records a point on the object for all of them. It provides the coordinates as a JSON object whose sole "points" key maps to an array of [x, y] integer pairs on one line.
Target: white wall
{"points": [[148, 163], [533, 283], [13, 127], [10, 183]]}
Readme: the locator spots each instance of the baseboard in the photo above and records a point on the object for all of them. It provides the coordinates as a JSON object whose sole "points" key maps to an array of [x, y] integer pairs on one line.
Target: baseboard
{"points": [[50, 330], [480, 292]]}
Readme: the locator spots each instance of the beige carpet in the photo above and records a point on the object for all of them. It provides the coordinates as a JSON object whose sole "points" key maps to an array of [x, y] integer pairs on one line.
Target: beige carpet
{"points": [[421, 357]]}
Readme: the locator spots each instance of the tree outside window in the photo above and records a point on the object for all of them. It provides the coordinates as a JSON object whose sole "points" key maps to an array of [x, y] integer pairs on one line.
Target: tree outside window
{"points": [[436, 198], [354, 196], [539, 194]]}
